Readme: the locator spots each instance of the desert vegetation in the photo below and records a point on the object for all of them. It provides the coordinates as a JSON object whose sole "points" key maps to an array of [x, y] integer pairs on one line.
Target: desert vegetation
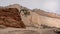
{"points": [[25, 11]]}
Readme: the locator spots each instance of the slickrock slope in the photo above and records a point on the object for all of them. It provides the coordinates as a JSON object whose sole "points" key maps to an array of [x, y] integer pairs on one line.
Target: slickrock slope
{"points": [[10, 17], [48, 14], [46, 19]]}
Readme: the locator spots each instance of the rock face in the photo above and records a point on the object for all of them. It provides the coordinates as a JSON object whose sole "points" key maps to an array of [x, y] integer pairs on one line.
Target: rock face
{"points": [[41, 17], [14, 6], [10, 17]]}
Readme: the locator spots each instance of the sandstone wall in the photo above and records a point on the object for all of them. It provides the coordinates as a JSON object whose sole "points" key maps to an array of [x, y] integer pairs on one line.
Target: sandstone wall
{"points": [[10, 17], [39, 20]]}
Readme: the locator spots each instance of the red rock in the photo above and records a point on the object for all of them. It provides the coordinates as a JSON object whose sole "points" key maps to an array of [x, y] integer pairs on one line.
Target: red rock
{"points": [[10, 17]]}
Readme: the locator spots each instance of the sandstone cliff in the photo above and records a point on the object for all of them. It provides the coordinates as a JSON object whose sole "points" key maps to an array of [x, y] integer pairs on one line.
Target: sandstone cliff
{"points": [[37, 17], [10, 17], [49, 19], [48, 14]]}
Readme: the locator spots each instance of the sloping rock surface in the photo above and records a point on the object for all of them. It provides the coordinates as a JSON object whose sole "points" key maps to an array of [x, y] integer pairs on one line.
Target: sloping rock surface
{"points": [[48, 14], [10, 17]]}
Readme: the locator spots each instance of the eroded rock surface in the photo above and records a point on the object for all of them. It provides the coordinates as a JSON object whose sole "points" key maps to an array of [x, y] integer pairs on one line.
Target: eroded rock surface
{"points": [[10, 17]]}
